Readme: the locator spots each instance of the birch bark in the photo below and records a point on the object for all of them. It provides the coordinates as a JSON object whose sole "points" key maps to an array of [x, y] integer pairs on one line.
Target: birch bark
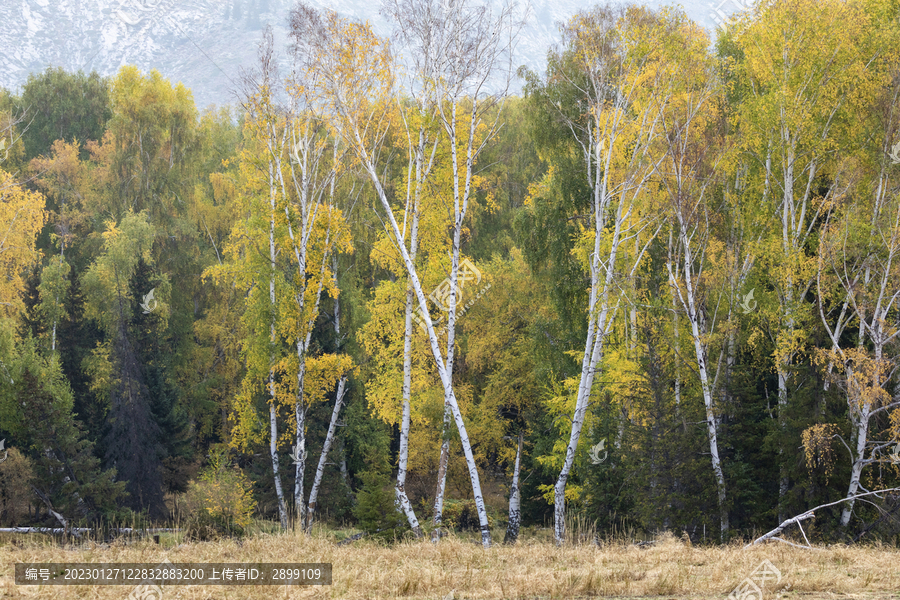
{"points": [[515, 513]]}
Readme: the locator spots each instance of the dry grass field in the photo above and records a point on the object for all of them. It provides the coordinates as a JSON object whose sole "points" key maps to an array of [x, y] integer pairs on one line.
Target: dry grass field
{"points": [[458, 568]]}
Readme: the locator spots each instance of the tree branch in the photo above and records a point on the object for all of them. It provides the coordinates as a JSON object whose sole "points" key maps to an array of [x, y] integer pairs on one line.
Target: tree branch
{"points": [[809, 515]]}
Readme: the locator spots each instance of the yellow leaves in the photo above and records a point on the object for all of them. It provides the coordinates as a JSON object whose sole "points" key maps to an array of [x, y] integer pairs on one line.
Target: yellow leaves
{"points": [[247, 425], [802, 60], [22, 216], [895, 424], [859, 374], [107, 281], [224, 493], [99, 368], [322, 374], [483, 184], [347, 73], [382, 338], [540, 188], [621, 377], [817, 448], [574, 493]]}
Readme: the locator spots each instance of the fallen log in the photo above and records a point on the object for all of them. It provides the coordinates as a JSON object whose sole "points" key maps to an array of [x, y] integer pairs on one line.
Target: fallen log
{"points": [[811, 513], [80, 530]]}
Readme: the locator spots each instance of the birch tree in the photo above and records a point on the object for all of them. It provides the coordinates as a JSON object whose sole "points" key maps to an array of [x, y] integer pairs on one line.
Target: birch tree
{"points": [[692, 150], [602, 74], [293, 163], [458, 50], [335, 413], [858, 266], [803, 75], [253, 269], [356, 83], [425, 230], [421, 162], [320, 229]]}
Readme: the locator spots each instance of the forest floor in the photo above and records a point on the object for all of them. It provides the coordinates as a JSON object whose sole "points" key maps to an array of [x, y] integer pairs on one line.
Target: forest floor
{"points": [[457, 568]]}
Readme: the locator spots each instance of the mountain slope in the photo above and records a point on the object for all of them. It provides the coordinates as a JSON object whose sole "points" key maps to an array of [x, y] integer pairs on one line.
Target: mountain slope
{"points": [[204, 43]]}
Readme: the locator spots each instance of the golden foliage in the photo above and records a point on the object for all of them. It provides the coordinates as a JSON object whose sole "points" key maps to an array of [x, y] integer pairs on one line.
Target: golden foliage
{"points": [[22, 215], [817, 448]]}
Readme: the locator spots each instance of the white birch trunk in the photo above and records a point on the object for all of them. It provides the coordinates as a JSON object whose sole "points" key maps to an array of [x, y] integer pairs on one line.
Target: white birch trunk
{"points": [[421, 172], [402, 462], [872, 293], [515, 513], [444, 375], [332, 424], [326, 447], [273, 410], [454, 53], [300, 452], [443, 460], [690, 305], [861, 429], [601, 312]]}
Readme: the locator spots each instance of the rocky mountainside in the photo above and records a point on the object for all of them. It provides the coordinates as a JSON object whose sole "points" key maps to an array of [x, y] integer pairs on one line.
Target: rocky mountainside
{"points": [[204, 43]]}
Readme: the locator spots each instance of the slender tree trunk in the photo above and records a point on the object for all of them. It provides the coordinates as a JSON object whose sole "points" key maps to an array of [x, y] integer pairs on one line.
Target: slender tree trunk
{"points": [[273, 407], [512, 529], [689, 302], [400, 490], [345, 474], [442, 473], [273, 453], [300, 452], [403, 459], [783, 480], [591, 359], [320, 468], [861, 430], [443, 460], [600, 315], [332, 425], [443, 372]]}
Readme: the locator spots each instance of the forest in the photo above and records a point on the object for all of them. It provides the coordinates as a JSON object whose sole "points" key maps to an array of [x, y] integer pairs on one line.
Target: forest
{"points": [[654, 290]]}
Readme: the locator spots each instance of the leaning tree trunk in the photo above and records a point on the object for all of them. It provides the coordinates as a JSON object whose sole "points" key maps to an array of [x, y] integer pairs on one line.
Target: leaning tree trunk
{"points": [[443, 372], [861, 427], [442, 474], [320, 468], [600, 315], [300, 452], [332, 425]]}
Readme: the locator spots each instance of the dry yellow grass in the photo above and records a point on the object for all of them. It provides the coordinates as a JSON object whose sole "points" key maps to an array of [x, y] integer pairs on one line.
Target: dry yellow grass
{"points": [[532, 569]]}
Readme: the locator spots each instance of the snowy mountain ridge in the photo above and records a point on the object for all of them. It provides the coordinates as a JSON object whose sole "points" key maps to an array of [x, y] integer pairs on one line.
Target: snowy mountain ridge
{"points": [[204, 43]]}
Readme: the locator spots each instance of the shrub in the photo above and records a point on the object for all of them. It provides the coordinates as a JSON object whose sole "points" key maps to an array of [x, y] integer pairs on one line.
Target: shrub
{"points": [[219, 503], [462, 515], [376, 508], [16, 475]]}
